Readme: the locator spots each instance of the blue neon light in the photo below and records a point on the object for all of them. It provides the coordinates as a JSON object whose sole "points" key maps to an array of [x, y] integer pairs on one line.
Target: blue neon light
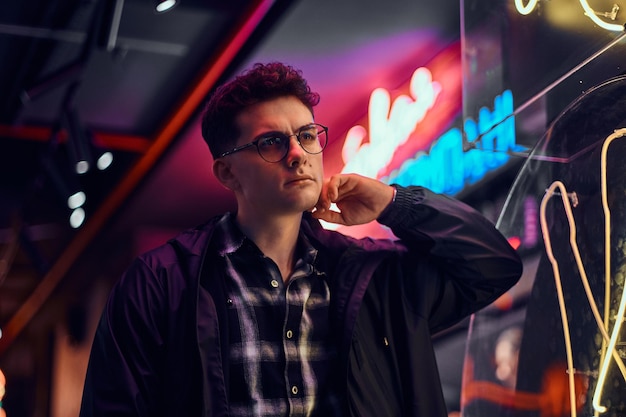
{"points": [[447, 168]]}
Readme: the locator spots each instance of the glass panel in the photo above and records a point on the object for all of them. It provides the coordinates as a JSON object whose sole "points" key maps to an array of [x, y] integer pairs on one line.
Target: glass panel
{"points": [[541, 348], [554, 344]]}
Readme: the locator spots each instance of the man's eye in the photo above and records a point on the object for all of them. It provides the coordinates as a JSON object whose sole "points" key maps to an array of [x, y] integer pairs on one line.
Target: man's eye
{"points": [[270, 142], [307, 136]]}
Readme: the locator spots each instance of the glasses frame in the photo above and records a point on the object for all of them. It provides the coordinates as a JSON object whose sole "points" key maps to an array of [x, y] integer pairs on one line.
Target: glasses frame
{"points": [[255, 143]]}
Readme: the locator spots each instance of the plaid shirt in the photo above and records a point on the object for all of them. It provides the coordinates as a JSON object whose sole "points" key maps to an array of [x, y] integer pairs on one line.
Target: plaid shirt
{"points": [[281, 355]]}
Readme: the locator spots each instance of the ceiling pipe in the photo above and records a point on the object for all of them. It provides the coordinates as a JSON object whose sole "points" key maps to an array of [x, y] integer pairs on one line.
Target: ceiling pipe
{"points": [[73, 70], [111, 18], [133, 44]]}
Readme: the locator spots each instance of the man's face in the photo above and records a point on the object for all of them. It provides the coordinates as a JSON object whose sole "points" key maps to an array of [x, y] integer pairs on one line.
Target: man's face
{"points": [[290, 186]]}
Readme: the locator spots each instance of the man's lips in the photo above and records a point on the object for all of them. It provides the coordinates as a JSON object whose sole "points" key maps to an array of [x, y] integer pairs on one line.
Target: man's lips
{"points": [[299, 180]]}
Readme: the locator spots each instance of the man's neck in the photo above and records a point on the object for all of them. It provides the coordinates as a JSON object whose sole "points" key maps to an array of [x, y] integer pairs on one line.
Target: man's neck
{"points": [[276, 237]]}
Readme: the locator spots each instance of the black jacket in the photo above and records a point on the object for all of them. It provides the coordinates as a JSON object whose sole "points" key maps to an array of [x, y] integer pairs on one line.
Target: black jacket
{"points": [[161, 345]]}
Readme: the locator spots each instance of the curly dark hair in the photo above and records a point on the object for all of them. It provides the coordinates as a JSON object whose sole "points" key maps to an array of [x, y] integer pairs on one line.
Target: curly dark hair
{"points": [[262, 82]]}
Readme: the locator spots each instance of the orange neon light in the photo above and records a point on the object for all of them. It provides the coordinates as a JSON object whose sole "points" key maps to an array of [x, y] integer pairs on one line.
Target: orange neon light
{"points": [[111, 141], [551, 401]]}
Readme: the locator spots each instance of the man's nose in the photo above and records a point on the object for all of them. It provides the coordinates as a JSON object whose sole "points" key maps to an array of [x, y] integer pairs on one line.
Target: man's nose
{"points": [[296, 154]]}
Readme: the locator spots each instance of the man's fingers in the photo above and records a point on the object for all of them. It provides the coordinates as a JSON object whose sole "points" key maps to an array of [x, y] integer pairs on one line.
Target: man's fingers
{"points": [[329, 193], [332, 186], [337, 187], [330, 216]]}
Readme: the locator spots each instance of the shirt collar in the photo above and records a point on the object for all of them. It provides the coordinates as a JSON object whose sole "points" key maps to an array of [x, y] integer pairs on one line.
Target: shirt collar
{"points": [[229, 239], [227, 235]]}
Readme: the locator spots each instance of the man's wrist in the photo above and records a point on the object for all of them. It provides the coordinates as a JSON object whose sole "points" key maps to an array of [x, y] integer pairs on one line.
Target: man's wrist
{"points": [[387, 209], [406, 204]]}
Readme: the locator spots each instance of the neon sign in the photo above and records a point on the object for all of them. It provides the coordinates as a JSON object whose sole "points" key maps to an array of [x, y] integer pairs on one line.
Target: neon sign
{"points": [[390, 125], [447, 168], [496, 130]]}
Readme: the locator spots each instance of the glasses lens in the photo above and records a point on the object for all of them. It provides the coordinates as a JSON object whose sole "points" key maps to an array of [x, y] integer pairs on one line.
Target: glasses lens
{"points": [[313, 138], [273, 148]]}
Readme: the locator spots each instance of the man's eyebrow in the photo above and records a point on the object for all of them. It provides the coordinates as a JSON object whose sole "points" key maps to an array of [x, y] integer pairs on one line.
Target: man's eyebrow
{"points": [[270, 133], [281, 133]]}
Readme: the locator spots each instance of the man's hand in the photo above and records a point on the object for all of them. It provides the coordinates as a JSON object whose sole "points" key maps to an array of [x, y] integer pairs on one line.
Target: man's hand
{"points": [[359, 198]]}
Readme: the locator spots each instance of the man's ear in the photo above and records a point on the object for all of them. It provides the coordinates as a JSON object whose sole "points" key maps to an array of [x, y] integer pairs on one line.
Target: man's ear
{"points": [[224, 174]]}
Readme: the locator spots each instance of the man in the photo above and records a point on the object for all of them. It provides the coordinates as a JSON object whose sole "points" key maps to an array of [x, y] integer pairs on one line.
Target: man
{"points": [[262, 312]]}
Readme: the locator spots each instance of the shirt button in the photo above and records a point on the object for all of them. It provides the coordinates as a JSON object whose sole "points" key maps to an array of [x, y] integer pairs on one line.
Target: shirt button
{"points": [[274, 283], [294, 390], [289, 334]]}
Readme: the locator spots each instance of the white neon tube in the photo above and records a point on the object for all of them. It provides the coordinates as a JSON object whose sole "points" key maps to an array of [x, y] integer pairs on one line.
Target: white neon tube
{"points": [[592, 15], [597, 395], [519, 5]]}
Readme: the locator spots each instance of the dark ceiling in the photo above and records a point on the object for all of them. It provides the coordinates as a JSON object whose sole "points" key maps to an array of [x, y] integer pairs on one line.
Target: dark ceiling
{"points": [[117, 61]]}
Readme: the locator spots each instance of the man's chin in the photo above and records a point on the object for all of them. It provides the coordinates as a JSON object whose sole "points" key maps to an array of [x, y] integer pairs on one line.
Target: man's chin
{"points": [[302, 205]]}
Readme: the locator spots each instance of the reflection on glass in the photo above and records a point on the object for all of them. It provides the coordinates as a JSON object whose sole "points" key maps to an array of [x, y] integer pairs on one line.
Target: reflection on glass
{"points": [[560, 349]]}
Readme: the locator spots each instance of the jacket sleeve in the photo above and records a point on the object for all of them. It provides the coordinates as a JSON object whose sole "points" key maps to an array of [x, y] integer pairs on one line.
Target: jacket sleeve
{"points": [[472, 262], [123, 372]]}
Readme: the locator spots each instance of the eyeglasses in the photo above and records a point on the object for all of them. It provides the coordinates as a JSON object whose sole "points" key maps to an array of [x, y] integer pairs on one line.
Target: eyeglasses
{"points": [[274, 147]]}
